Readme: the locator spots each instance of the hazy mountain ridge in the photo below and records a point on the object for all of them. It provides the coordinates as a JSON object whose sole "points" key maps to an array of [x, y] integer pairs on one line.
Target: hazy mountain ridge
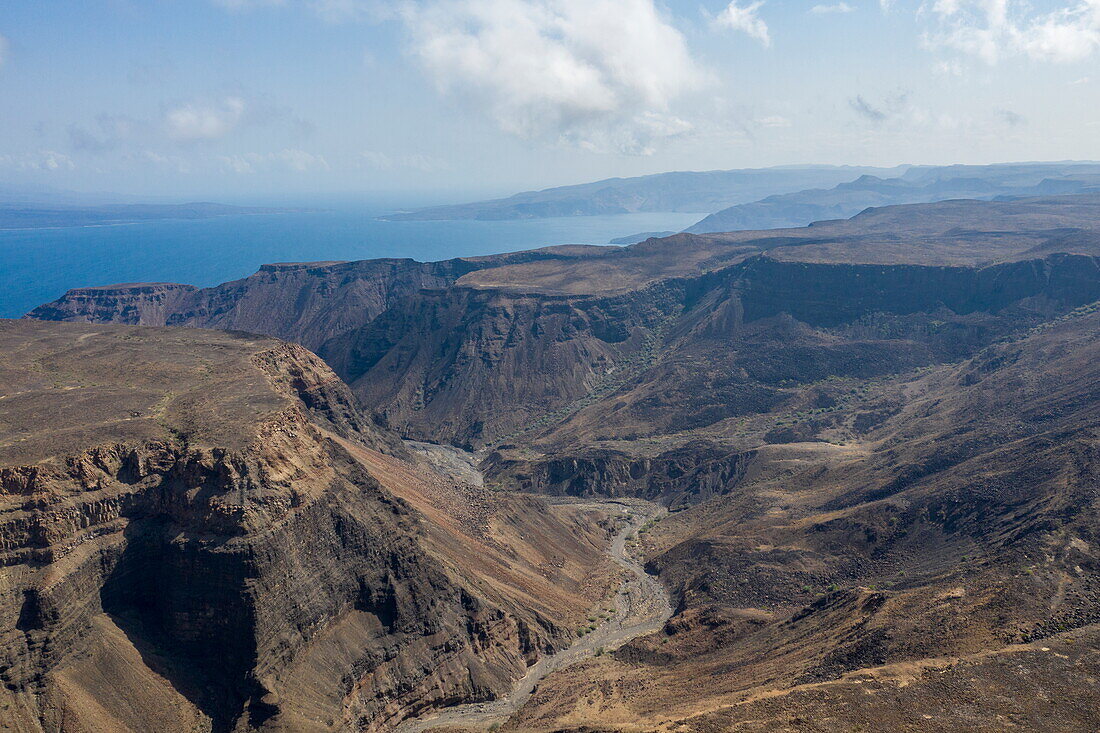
{"points": [[916, 185], [686, 191]]}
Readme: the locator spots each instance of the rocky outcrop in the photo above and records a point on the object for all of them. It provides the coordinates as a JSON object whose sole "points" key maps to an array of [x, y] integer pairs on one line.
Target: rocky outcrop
{"points": [[246, 569], [678, 478], [136, 304], [305, 302]]}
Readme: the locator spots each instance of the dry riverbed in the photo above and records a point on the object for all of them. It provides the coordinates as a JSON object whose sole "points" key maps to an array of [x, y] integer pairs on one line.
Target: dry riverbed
{"points": [[641, 607]]}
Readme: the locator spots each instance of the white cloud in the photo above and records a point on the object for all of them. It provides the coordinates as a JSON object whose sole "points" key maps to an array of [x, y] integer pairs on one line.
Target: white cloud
{"points": [[43, 160], [171, 162], [291, 159], [596, 73], [774, 121], [837, 8], [993, 29], [948, 68], [301, 161], [744, 18], [194, 122]]}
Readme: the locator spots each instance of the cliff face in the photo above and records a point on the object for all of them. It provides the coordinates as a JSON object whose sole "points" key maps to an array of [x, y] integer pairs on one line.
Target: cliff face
{"points": [[252, 558], [472, 366], [307, 303], [138, 304], [491, 367], [303, 302], [682, 477]]}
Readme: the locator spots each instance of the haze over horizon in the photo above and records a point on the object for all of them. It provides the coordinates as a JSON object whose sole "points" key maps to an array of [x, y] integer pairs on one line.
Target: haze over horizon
{"points": [[470, 98]]}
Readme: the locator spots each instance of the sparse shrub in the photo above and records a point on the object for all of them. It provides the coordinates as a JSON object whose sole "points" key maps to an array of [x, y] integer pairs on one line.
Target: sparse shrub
{"points": [[599, 651]]}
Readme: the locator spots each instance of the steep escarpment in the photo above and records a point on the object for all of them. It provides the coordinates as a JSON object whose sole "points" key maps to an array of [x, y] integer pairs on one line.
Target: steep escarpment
{"points": [[470, 366], [215, 537], [135, 304], [303, 302], [497, 367], [306, 302]]}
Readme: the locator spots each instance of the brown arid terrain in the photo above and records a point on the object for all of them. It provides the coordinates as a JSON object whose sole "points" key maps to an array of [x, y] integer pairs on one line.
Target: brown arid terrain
{"points": [[876, 439], [201, 531]]}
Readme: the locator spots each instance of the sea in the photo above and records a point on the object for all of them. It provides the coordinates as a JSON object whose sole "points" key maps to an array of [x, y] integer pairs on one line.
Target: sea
{"points": [[39, 265]]}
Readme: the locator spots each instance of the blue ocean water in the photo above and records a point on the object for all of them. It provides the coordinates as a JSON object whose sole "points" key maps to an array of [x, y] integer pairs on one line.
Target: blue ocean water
{"points": [[39, 265]]}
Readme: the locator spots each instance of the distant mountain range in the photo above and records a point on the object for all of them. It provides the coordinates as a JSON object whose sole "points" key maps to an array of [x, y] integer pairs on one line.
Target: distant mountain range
{"points": [[685, 191], [917, 185], [776, 198]]}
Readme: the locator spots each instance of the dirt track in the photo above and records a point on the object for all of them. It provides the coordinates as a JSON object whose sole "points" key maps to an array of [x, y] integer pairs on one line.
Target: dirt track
{"points": [[642, 607]]}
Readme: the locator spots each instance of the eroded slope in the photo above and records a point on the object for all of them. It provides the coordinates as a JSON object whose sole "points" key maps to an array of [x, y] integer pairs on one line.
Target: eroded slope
{"points": [[201, 531]]}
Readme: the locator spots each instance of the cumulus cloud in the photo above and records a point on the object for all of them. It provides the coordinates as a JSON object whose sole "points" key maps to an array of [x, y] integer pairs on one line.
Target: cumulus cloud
{"points": [[837, 8], [596, 73], [993, 29], [744, 18], [210, 121]]}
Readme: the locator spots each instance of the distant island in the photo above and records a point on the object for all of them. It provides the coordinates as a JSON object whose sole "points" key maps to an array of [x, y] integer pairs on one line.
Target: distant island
{"points": [[42, 216]]}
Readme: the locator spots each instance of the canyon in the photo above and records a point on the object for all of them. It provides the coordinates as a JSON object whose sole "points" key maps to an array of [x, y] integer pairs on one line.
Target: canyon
{"points": [[384, 489], [220, 539]]}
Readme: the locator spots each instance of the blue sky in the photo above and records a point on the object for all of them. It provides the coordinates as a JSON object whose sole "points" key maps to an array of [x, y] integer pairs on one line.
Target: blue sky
{"points": [[468, 97]]}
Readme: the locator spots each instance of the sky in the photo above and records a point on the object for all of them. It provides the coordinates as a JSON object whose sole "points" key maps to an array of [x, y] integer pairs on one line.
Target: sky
{"points": [[460, 98]]}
